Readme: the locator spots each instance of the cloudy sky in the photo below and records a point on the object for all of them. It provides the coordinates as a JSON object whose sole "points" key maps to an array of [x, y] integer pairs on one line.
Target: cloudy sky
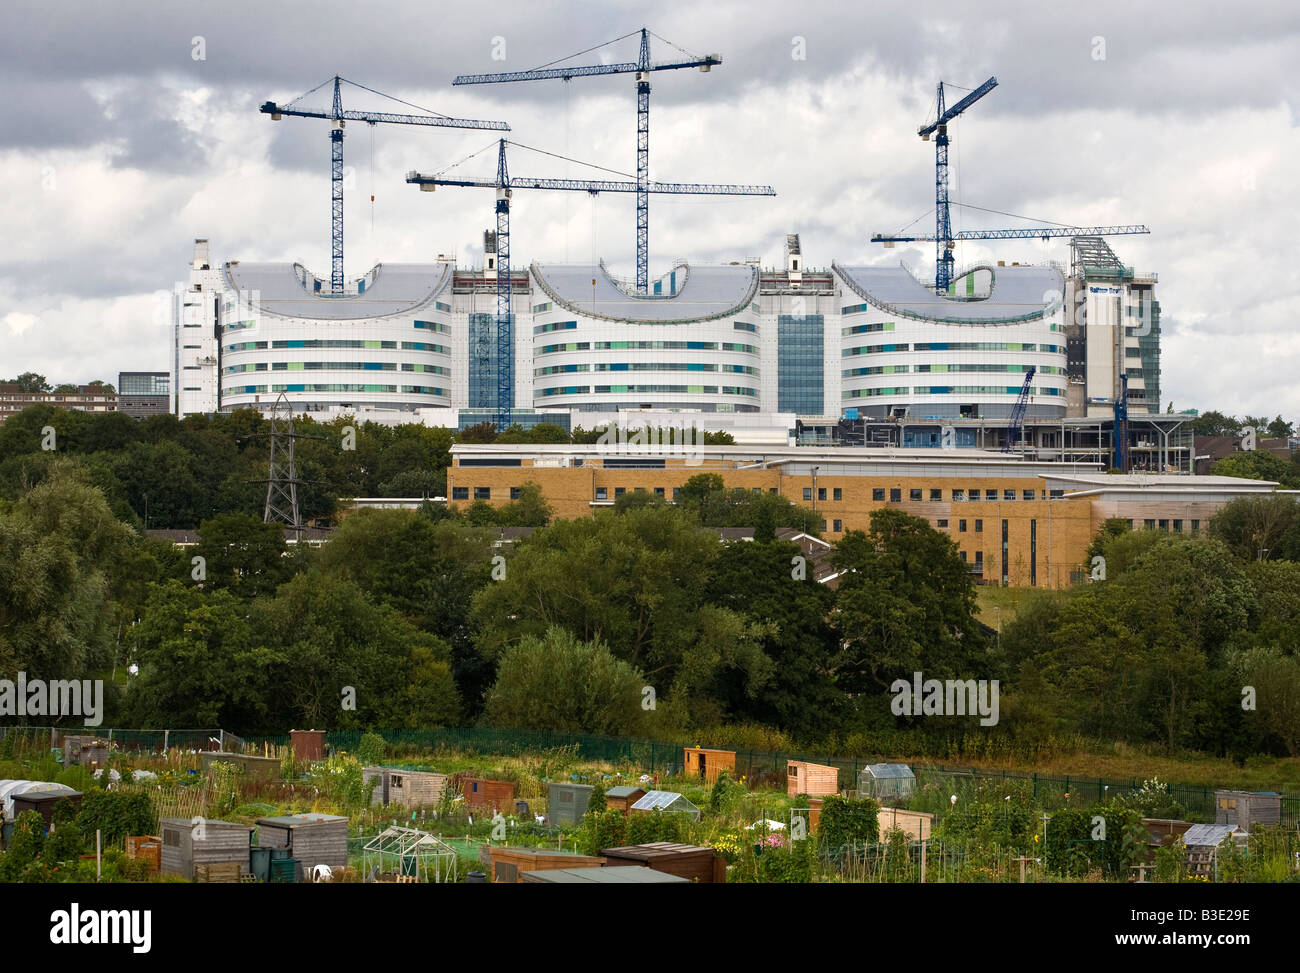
{"points": [[128, 129]]}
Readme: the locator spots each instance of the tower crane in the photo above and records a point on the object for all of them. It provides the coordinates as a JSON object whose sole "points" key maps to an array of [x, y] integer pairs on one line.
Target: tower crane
{"points": [[339, 117], [505, 184], [642, 68]]}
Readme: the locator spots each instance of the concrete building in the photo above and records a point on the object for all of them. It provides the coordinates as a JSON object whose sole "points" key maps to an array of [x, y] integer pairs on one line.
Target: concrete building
{"points": [[86, 398], [711, 342], [143, 394], [1015, 521]]}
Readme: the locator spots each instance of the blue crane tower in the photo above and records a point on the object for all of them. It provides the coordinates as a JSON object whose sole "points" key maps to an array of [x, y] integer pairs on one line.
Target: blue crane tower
{"points": [[943, 223], [943, 237], [505, 184], [641, 67], [340, 117]]}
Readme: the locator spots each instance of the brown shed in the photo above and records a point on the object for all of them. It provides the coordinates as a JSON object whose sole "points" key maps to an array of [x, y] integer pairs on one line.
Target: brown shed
{"points": [[815, 780], [313, 839], [507, 863], [622, 798], [916, 824], [308, 745], [409, 788], [186, 844], [43, 802], [707, 764], [84, 751], [249, 767], [496, 795], [690, 862]]}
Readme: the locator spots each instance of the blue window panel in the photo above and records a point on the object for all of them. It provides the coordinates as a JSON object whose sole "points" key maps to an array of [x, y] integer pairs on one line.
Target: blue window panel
{"points": [[800, 363]]}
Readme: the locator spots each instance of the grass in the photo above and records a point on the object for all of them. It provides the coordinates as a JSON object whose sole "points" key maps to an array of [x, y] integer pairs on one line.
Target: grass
{"points": [[996, 606]]}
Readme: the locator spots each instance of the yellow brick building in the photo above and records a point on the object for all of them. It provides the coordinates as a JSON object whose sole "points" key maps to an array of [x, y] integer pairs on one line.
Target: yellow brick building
{"points": [[1017, 522]]}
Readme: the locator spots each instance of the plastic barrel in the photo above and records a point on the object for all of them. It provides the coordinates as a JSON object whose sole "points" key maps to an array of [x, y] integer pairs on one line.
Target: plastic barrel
{"points": [[259, 862]]}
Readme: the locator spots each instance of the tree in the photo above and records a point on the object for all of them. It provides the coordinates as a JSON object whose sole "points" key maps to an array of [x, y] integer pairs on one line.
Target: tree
{"points": [[1279, 428], [484, 432], [559, 683], [1214, 423], [31, 383], [243, 554], [1259, 464], [1275, 678], [1260, 527], [905, 604]]}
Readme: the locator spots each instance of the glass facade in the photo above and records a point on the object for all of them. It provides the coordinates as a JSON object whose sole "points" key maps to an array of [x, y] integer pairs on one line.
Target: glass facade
{"points": [[143, 383], [483, 360], [800, 368]]}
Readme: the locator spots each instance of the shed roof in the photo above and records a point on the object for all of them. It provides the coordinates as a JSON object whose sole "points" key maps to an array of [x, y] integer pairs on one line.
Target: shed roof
{"points": [[606, 875], [207, 823], [653, 850], [1208, 834], [662, 800], [887, 771], [624, 790], [301, 820]]}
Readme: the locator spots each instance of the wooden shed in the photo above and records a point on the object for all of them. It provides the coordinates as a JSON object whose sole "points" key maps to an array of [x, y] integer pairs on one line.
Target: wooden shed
{"points": [[691, 862], [409, 788], [622, 798], [916, 824], [307, 745], [496, 795], [312, 839], [509, 863], [84, 751], [887, 781], [566, 803], [1246, 809], [668, 802], [210, 842], [621, 875], [815, 780], [248, 766], [707, 764], [43, 802]]}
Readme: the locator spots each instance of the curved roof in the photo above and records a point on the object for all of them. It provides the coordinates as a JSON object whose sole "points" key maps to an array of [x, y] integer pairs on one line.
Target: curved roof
{"points": [[1017, 294], [283, 289], [708, 292]]}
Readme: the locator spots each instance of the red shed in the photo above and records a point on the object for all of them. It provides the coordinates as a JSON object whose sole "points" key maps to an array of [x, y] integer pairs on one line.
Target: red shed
{"points": [[691, 862], [498, 795], [308, 744]]}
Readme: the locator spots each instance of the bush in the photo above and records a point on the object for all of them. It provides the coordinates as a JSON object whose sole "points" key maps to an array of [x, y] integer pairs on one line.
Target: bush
{"points": [[372, 749], [845, 821], [115, 815]]}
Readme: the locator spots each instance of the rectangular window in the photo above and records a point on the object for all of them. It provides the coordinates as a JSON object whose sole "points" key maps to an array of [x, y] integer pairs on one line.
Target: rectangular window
{"points": [[990, 494], [807, 493], [914, 494], [979, 526], [958, 496], [1178, 526], [482, 493], [979, 558], [1164, 524], [619, 491], [1005, 576], [961, 526], [1055, 494], [877, 493], [1033, 552], [514, 493], [677, 492], [602, 493], [837, 494], [895, 496], [1149, 524], [838, 525], [1196, 526], [659, 491], [963, 557], [823, 525], [821, 493], [941, 523], [1008, 494], [973, 493], [936, 494], [1028, 494], [460, 493]]}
